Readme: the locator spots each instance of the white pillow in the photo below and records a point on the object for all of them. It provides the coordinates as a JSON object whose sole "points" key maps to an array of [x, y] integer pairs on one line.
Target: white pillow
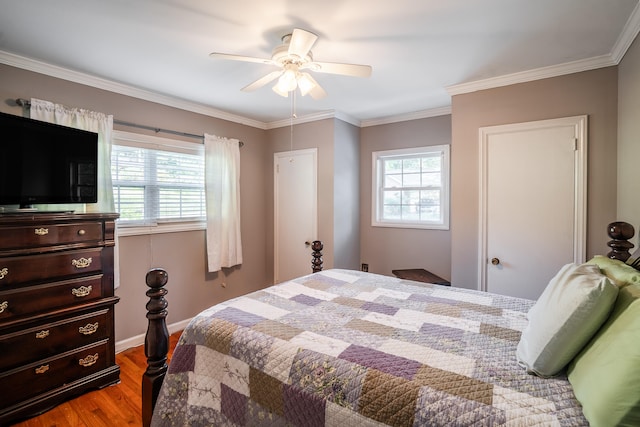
{"points": [[573, 306]]}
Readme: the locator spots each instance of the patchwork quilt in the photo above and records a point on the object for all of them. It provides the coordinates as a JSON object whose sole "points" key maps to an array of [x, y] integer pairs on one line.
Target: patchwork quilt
{"points": [[346, 348]]}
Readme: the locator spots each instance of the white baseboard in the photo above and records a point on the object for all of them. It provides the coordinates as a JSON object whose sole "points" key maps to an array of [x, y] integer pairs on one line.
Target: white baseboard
{"points": [[139, 339]]}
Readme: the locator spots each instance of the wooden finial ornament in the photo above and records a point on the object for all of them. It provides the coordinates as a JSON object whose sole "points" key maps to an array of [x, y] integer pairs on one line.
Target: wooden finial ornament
{"points": [[316, 262], [621, 233]]}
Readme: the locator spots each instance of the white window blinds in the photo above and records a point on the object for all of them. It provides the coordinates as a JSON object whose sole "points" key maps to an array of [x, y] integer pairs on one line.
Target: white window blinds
{"points": [[157, 179]]}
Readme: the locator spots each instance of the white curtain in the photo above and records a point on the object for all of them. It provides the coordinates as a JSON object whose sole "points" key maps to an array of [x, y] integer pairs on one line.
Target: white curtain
{"points": [[222, 188], [92, 121]]}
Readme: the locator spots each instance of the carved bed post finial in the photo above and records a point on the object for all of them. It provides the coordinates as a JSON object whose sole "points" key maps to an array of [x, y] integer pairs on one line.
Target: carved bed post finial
{"points": [[620, 232], [316, 262], [156, 342]]}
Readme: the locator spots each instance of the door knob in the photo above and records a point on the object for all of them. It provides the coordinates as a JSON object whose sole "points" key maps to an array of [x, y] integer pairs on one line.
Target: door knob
{"points": [[495, 261]]}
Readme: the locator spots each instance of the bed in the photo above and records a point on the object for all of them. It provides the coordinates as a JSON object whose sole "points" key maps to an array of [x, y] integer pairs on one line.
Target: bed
{"points": [[348, 348]]}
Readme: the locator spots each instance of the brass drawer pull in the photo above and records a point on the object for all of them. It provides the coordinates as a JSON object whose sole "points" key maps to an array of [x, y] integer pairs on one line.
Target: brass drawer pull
{"points": [[81, 262], [81, 232], [42, 334], [89, 329], [82, 291], [42, 369], [89, 360], [3, 272], [3, 306], [41, 231]]}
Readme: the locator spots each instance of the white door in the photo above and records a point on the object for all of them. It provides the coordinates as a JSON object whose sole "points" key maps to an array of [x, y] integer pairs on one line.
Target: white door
{"points": [[533, 212], [295, 204]]}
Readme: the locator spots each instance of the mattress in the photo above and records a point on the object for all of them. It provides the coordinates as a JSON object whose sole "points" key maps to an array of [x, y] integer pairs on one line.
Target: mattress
{"points": [[347, 348]]}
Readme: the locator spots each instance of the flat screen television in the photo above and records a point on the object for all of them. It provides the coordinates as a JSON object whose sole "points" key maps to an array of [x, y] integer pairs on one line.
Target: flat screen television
{"points": [[45, 163]]}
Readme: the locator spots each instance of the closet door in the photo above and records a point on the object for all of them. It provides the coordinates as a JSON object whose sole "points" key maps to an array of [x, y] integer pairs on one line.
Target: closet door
{"points": [[295, 212], [533, 212]]}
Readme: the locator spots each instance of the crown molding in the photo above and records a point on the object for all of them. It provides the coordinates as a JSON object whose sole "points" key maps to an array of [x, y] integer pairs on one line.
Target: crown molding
{"points": [[417, 115], [111, 86], [531, 75], [627, 36], [348, 119], [40, 67], [329, 114]]}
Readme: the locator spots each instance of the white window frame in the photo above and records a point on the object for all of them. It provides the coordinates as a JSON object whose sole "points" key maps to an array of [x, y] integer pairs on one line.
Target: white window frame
{"points": [[377, 191], [165, 144]]}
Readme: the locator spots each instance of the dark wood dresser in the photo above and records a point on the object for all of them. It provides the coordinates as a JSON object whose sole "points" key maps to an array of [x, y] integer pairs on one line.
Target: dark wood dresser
{"points": [[56, 309]]}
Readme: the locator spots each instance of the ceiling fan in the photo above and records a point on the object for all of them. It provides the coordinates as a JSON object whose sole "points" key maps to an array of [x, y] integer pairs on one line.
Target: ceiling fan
{"points": [[293, 57]]}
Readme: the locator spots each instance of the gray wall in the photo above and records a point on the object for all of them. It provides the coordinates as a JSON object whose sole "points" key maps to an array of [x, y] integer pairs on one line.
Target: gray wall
{"points": [[190, 287], [346, 188], [629, 138], [592, 92], [385, 248]]}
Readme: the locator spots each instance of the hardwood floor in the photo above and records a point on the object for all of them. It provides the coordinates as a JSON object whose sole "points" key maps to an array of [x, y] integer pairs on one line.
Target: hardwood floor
{"points": [[117, 405]]}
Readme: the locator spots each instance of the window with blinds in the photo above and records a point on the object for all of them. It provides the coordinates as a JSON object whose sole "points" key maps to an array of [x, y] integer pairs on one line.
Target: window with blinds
{"points": [[157, 180]]}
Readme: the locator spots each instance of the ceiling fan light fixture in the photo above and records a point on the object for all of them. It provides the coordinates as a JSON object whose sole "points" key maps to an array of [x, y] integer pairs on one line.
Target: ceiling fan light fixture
{"points": [[288, 81], [293, 55], [305, 83], [276, 89]]}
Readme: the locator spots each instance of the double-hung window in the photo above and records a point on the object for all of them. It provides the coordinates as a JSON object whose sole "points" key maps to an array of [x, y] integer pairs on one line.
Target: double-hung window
{"points": [[158, 182], [411, 188]]}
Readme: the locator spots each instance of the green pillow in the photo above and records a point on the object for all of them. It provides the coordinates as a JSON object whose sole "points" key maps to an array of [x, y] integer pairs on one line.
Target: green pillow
{"points": [[618, 272], [606, 374]]}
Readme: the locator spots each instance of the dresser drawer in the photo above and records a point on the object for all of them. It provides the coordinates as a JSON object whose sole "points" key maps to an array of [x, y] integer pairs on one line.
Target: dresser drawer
{"points": [[56, 309], [25, 269], [53, 338], [35, 299], [49, 234], [48, 374]]}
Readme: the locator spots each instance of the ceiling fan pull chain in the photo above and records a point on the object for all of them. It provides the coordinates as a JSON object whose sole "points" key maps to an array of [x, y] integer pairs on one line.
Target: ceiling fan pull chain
{"points": [[294, 101], [293, 112]]}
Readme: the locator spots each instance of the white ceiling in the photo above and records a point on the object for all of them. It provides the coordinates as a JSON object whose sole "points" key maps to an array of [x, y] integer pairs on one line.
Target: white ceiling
{"points": [[421, 51]]}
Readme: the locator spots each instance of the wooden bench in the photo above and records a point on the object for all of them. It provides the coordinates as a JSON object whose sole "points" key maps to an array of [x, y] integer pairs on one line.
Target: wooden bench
{"points": [[420, 275]]}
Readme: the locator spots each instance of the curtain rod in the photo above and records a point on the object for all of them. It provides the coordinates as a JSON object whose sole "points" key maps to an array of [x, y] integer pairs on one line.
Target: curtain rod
{"points": [[25, 103]]}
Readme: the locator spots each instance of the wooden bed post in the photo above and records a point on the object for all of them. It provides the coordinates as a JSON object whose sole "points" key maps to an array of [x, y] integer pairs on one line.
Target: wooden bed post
{"points": [[156, 342], [316, 262], [621, 233]]}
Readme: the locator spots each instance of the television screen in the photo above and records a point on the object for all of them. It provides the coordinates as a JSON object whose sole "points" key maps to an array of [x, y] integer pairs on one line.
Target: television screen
{"points": [[45, 163]]}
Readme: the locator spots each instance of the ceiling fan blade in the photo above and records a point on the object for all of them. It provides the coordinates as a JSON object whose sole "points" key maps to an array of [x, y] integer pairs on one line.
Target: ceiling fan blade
{"points": [[317, 92], [354, 70], [301, 42], [240, 58], [262, 81]]}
